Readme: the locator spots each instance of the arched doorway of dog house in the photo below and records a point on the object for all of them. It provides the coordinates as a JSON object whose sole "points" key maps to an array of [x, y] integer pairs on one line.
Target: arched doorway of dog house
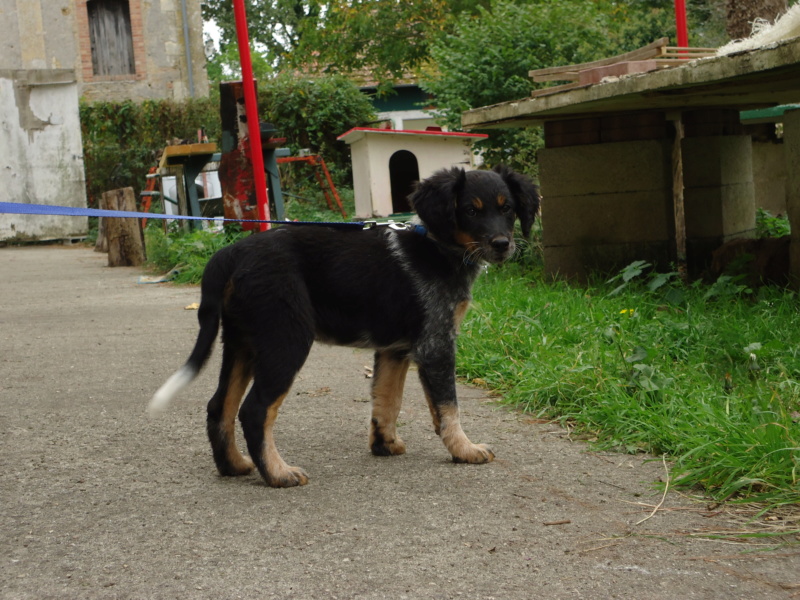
{"points": [[403, 174]]}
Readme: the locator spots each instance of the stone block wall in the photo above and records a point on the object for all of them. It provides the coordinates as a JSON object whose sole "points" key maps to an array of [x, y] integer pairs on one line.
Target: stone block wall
{"points": [[608, 200]]}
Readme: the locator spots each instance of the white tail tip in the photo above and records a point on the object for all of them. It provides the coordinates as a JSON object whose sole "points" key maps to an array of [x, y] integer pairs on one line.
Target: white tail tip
{"points": [[176, 382]]}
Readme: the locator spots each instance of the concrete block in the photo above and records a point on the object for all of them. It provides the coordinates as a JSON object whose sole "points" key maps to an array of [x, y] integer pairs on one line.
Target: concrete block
{"points": [[723, 211], [610, 218], [769, 176], [711, 122], [717, 160], [607, 129], [606, 168]]}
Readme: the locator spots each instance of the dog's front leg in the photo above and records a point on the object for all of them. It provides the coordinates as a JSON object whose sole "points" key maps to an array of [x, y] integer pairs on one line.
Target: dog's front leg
{"points": [[437, 375], [388, 379]]}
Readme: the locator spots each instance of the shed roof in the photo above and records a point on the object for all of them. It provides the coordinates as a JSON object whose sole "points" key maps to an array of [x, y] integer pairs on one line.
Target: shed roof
{"points": [[758, 78]]}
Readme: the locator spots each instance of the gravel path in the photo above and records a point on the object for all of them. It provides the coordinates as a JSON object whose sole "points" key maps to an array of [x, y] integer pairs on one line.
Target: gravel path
{"points": [[100, 501]]}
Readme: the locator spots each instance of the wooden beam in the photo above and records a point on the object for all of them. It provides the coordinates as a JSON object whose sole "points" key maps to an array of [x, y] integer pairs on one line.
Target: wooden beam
{"points": [[652, 50]]}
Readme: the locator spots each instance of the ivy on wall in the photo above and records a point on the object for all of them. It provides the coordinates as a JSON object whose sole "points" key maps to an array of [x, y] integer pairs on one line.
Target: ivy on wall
{"points": [[121, 140]]}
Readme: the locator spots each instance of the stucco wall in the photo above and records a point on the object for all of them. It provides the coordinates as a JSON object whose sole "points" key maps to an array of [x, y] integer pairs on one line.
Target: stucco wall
{"points": [[42, 157]]}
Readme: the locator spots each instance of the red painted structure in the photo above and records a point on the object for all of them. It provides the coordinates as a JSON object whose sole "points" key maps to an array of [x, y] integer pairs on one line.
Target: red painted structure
{"points": [[680, 23], [254, 133]]}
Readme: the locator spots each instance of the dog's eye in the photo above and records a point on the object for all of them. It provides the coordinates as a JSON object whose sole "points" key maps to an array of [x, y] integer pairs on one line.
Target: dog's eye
{"points": [[471, 211], [505, 209]]}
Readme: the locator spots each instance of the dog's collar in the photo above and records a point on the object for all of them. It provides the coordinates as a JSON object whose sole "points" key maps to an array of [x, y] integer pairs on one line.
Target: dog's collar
{"points": [[417, 228], [422, 231]]}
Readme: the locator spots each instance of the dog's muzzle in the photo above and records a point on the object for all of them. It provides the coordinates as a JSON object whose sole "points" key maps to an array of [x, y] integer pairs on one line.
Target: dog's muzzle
{"points": [[500, 248]]}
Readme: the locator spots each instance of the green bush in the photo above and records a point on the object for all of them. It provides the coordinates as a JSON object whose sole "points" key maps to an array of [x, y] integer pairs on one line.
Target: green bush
{"points": [[769, 226], [312, 113]]}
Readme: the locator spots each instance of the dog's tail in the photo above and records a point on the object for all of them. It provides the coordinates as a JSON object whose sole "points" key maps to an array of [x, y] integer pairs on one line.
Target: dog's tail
{"points": [[208, 314]]}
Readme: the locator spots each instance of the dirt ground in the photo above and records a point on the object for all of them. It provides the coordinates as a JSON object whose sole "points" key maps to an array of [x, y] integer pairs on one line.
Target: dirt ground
{"points": [[101, 501]]}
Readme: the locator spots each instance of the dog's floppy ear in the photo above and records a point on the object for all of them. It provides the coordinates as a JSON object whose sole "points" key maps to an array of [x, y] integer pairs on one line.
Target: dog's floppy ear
{"points": [[526, 196], [434, 200]]}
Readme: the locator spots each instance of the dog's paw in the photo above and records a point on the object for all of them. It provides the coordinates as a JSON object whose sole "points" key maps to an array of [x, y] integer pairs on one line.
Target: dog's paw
{"points": [[288, 477], [476, 454], [393, 448], [236, 468], [237, 465]]}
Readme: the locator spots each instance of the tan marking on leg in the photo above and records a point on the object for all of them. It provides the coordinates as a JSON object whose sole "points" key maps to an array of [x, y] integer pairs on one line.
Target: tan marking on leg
{"points": [[437, 425], [457, 442], [460, 312], [237, 385], [387, 397], [280, 474]]}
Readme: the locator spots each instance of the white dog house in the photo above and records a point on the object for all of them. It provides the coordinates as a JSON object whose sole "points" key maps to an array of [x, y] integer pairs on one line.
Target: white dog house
{"points": [[387, 163]]}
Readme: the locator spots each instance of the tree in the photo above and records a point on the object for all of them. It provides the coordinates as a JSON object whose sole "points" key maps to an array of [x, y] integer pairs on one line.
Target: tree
{"points": [[311, 113], [487, 58], [380, 40], [275, 26]]}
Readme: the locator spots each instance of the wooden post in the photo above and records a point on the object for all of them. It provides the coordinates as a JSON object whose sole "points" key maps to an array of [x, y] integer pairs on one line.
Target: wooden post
{"points": [[101, 244], [124, 236], [679, 212]]}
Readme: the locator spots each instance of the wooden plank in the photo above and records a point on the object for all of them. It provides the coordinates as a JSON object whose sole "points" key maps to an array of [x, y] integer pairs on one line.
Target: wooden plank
{"points": [[616, 70], [189, 149], [652, 50]]}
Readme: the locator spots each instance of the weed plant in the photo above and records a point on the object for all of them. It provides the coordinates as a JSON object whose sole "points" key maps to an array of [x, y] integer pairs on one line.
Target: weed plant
{"points": [[185, 252], [706, 375]]}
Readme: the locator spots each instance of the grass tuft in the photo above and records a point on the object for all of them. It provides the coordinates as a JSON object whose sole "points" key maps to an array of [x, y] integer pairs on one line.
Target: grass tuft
{"points": [[707, 375]]}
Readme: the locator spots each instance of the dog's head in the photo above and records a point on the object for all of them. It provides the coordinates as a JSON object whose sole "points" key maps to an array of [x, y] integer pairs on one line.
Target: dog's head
{"points": [[476, 209]]}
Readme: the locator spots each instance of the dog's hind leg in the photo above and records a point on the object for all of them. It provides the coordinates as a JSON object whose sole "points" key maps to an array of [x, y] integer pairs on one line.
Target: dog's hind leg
{"points": [[388, 378], [258, 420], [439, 383], [235, 376], [278, 361]]}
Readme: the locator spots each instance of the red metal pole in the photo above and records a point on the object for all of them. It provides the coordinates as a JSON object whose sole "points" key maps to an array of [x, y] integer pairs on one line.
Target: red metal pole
{"points": [[251, 110], [680, 23]]}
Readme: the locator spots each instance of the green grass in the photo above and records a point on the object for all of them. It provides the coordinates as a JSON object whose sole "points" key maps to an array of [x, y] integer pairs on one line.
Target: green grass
{"points": [[706, 375]]}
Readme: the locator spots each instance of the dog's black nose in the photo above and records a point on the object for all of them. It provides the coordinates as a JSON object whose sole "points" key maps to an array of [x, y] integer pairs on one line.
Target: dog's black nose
{"points": [[499, 243]]}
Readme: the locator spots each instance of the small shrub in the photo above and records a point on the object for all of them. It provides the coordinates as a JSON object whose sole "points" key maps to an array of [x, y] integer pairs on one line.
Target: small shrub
{"points": [[768, 226]]}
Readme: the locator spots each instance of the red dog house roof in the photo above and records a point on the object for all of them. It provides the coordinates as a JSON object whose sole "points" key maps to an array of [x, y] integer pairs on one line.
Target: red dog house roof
{"points": [[357, 133]]}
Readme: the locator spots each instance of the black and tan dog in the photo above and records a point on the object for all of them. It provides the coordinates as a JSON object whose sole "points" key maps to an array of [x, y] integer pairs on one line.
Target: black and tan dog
{"points": [[402, 293]]}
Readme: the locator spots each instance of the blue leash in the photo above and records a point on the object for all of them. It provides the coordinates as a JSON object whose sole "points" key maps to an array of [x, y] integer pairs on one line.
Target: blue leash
{"points": [[19, 208]]}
